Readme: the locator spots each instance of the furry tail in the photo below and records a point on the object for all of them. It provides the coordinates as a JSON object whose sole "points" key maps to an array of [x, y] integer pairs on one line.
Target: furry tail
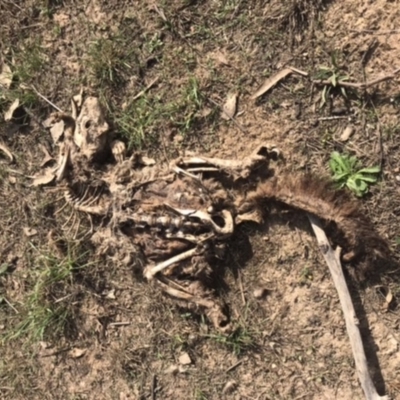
{"points": [[319, 198]]}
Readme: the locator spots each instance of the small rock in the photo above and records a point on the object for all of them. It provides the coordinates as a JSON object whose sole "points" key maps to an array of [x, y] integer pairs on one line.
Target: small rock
{"points": [[110, 294], [9, 114], [347, 132], [29, 232], [230, 106], [183, 369], [184, 359], [77, 353], [229, 387], [178, 138], [172, 370], [260, 292], [44, 345]]}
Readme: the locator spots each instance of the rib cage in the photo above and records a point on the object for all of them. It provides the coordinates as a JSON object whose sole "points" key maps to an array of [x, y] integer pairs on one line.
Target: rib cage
{"points": [[86, 198]]}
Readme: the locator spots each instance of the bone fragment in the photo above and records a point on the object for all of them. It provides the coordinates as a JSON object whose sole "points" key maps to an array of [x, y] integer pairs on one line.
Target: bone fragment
{"points": [[63, 164], [150, 272], [206, 218]]}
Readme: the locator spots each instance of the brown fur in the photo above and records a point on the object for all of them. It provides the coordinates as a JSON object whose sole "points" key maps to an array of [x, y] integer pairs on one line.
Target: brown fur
{"points": [[318, 197]]}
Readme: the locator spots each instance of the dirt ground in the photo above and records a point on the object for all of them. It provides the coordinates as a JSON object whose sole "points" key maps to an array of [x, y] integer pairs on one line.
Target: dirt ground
{"points": [[76, 327]]}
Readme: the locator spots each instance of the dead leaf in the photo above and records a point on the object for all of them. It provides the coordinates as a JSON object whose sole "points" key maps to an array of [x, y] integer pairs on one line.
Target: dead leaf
{"points": [[229, 387], [45, 179], [57, 131], [347, 132], [260, 292], [147, 160], [230, 106], [172, 370], [178, 138], [77, 353], [271, 82], [205, 112], [47, 156], [29, 232], [221, 58], [184, 359], [6, 151], [5, 76], [111, 294], [389, 299], [8, 115]]}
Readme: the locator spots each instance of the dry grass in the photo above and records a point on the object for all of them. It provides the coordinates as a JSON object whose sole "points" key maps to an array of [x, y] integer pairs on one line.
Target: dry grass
{"points": [[55, 299]]}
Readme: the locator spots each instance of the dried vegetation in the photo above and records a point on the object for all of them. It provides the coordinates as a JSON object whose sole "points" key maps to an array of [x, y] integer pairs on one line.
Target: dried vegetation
{"points": [[174, 78]]}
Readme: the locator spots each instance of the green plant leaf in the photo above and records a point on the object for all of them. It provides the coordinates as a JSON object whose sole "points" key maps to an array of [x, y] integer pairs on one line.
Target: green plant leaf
{"points": [[367, 178], [370, 170], [340, 161], [3, 269], [334, 80], [341, 176]]}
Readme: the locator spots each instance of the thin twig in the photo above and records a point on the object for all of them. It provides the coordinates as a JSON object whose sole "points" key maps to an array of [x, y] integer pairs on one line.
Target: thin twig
{"points": [[16, 5], [122, 323], [299, 71], [148, 87], [376, 32], [153, 387], [333, 117], [241, 288], [358, 85], [332, 258], [10, 305], [232, 367], [46, 100], [63, 298]]}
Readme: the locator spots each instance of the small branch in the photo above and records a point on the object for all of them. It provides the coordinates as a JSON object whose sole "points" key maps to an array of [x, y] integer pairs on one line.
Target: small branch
{"points": [[332, 258], [148, 87], [334, 117], [46, 100], [376, 32], [358, 85], [232, 367], [153, 387]]}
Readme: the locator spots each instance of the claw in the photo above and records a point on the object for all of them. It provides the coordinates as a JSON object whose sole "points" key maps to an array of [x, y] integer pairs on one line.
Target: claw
{"points": [[118, 150]]}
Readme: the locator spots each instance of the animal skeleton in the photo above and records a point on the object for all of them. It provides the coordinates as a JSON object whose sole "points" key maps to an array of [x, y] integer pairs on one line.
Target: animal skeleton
{"points": [[172, 220]]}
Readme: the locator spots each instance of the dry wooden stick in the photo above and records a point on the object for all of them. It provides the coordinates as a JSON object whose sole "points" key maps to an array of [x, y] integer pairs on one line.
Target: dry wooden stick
{"points": [[332, 258], [359, 85], [147, 88]]}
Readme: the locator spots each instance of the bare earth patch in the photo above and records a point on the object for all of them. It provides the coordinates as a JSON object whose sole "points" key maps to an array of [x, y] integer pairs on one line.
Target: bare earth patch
{"points": [[79, 326]]}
